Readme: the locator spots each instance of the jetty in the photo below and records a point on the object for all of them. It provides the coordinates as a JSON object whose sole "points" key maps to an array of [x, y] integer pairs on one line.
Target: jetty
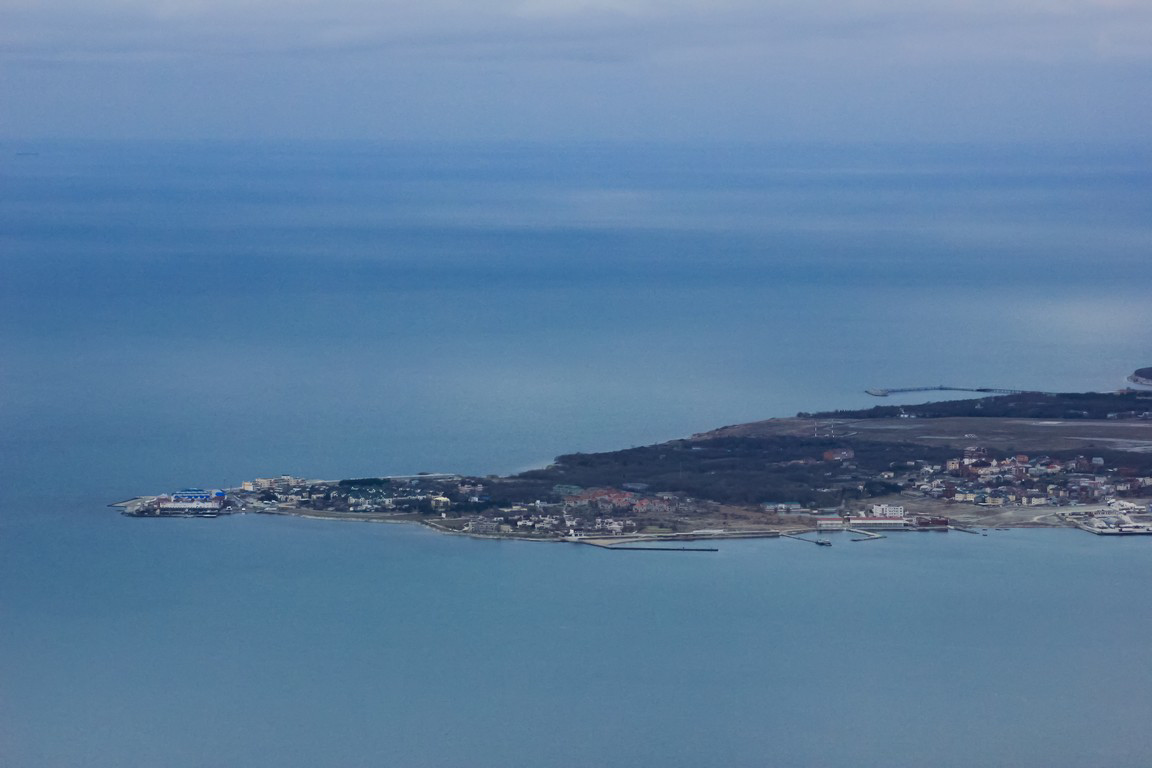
{"points": [[886, 391], [963, 530], [818, 542], [1113, 527], [635, 548], [863, 535]]}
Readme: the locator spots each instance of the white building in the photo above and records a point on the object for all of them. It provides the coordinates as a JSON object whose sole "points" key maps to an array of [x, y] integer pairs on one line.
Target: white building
{"points": [[877, 522], [191, 501], [887, 510]]}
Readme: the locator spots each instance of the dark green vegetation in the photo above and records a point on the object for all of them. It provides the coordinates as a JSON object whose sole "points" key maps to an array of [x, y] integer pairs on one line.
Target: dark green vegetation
{"points": [[738, 470], [756, 468], [734, 470], [851, 457], [1032, 405], [780, 461]]}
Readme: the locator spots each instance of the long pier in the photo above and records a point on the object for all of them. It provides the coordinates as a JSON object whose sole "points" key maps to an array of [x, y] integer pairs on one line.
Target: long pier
{"points": [[882, 392], [658, 549], [1131, 529], [864, 535], [820, 542]]}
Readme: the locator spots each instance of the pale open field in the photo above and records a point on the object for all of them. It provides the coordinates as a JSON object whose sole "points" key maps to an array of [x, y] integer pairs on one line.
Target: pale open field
{"points": [[1023, 435]]}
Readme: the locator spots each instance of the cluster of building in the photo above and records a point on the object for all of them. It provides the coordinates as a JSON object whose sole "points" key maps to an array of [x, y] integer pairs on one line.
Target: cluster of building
{"points": [[189, 502], [581, 511], [394, 494], [630, 498], [281, 484], [592, 511], [879, 517], [1120, 518], [977, 478], [524, 520]]}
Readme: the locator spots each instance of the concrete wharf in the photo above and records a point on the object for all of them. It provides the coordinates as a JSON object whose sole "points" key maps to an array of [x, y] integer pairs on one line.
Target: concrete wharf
{"points": [[819, 542]]}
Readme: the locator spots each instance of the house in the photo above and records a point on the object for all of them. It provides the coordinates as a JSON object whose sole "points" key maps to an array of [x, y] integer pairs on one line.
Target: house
{"points": [[783, 507]]}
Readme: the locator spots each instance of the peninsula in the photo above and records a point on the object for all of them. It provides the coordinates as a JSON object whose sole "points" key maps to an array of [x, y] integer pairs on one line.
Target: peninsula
{"points": [[1017, 460]]}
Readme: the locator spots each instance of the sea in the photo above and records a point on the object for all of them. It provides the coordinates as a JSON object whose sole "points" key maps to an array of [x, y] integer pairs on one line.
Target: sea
{"points": [[181, 314]]}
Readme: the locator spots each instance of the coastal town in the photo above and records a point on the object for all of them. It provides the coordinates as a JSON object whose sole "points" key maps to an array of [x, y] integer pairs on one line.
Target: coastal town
{"points": [[848, 483]]}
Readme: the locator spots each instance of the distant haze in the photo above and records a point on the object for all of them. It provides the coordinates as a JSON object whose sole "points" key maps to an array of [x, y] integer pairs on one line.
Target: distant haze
{"points": [[1011, 70], [180, 313]]}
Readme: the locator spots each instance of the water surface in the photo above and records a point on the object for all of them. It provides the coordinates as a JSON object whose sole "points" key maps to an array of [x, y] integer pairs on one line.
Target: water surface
{"points": [[176, 314], [287, 642]]}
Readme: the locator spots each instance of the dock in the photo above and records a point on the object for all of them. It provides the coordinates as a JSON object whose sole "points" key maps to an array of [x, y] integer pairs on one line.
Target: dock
{"points": [[863, 535], [1129, 529], [659, 549], [637, 545], [818, 542]]}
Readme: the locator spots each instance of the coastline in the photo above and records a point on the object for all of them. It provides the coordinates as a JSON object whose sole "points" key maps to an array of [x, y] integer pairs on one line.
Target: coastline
{"points": [[594, 540], [623, 541], [356, 517], [1032, 460]]}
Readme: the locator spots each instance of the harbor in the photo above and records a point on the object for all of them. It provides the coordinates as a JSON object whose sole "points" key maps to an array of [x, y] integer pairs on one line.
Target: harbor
{"points": [[1117, 518], [188, 502]]}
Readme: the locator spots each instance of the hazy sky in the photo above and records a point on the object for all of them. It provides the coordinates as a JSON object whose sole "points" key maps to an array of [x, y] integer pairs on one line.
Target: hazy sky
{"points": [[599, 69]]}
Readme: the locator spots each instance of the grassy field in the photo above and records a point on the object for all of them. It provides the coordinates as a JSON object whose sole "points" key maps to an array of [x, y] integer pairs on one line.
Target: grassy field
{"points": [[1006, 434]]}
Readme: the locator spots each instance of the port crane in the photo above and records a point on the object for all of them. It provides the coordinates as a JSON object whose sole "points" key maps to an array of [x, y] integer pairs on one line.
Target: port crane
{"points": [[942, 388]]}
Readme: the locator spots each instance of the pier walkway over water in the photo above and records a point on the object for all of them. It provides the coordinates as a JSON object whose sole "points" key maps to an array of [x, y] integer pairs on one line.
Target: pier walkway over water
{"points": [[881, 392]]}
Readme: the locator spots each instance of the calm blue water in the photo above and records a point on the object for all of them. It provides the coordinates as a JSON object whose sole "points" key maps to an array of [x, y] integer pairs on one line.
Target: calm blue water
{"points": [[279, 642], [203, 313], [176, 314]]}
